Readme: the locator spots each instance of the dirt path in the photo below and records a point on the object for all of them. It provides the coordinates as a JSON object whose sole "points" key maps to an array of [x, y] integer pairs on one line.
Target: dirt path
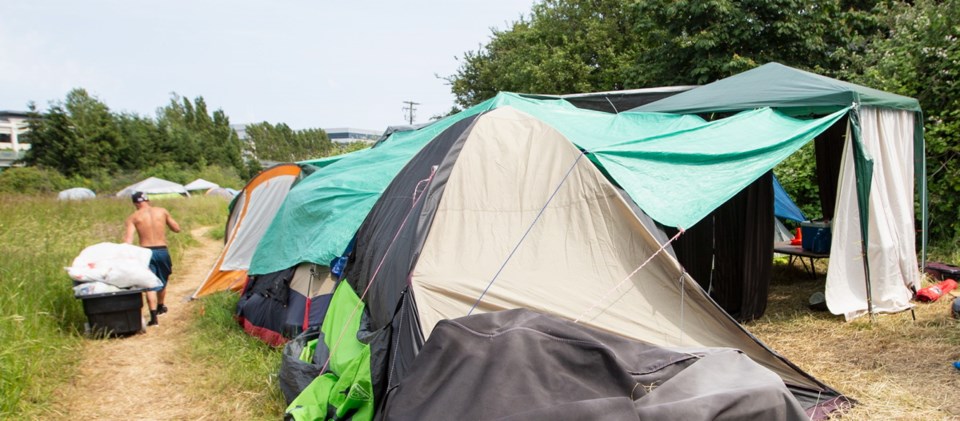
{"points": [[144, 376]]}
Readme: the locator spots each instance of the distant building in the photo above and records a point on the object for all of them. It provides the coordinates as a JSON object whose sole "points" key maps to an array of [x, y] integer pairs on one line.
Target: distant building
{"points": [[349, 134], [13, 124]]}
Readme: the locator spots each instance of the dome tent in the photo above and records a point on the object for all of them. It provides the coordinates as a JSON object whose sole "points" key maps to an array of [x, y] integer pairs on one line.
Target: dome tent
{"points": [[475, 220], [76, 193]]}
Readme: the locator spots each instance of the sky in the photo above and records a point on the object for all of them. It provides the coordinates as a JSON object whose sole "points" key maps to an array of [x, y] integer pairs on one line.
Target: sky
{"points": [[309, 64]]}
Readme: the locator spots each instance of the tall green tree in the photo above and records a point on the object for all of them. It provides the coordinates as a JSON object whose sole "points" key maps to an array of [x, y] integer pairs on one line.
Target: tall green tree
{"points": [[569, 46], [920, 58], [75, 137], [193, 137], [697, 42], [565, 46]]}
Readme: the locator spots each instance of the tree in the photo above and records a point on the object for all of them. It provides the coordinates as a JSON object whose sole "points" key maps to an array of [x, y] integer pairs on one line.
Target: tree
{"points": [[572, 46], [697, 42], [75, 137], [920, 58], [193, 137], [566, 46]]}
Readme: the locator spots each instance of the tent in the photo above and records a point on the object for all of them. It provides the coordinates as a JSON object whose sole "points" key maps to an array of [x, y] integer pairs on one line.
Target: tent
{"points": [[76, 193], [224, 192], [868, 160], [250, 214], [520, 206], [154, 187], [200, 184]]}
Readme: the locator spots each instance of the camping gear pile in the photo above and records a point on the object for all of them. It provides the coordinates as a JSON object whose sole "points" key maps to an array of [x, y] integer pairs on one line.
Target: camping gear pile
{"points": [[591, 222]]}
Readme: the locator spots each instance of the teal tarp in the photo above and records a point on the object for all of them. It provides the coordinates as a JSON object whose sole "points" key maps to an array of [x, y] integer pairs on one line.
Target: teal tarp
{"points": [[677, 168], [679, 178]]}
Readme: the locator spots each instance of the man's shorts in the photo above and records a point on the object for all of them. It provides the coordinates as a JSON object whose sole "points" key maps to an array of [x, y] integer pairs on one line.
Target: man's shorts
{"points": [[161, 265]]}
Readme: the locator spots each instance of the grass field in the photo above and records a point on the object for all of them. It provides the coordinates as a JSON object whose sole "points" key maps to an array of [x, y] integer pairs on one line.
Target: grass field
{"points": [[41, 323]]}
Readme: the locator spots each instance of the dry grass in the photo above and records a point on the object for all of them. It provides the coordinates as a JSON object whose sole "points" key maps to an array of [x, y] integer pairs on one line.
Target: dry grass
{"points": [[896, 367]]}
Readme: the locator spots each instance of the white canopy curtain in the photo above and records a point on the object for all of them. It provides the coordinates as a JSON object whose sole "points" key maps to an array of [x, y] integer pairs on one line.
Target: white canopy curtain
{"points": [[892, 238]]}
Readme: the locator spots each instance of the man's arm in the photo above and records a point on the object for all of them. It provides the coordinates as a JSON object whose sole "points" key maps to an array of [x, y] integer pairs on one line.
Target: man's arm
{"points": [[174, 226], [130, 230]]}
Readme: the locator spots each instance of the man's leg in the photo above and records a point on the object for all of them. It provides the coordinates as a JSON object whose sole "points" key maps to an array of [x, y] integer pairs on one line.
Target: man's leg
{"points": [[152, 306], [160, 295]]}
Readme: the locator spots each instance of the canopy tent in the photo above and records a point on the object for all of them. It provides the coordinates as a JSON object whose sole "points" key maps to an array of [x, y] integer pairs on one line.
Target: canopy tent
{"points": [[518, 206], [76, 193], [874, 263], [154, 187], [201, 184]]}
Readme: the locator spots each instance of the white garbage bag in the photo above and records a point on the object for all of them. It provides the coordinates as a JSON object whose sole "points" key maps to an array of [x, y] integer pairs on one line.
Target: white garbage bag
{"points": [[120, 265]]}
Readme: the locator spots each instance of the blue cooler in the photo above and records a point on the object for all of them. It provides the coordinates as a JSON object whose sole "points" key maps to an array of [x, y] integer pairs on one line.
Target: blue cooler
{"points": [[816, 237]]}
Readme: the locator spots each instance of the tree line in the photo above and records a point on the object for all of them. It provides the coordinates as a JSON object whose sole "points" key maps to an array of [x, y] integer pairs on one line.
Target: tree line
{"points": [[80, 142], [905, 47]]}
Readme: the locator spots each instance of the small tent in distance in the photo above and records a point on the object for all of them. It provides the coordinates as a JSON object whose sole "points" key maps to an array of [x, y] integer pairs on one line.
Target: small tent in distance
{"points": [[76, 193], [200, 184], [154, 188]]}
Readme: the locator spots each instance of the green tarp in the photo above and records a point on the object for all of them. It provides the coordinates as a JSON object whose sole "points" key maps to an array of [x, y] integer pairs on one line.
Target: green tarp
{"points": [[774, 85], [679, 178], [345, 389]]}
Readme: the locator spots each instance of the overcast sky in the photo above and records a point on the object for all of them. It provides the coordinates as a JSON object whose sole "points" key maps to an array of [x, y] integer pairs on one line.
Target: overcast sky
{"points": [[318, 63]]}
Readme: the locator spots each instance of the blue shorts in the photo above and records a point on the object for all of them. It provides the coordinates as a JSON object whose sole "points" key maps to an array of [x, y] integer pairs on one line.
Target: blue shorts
{"points": [[160, 265]]}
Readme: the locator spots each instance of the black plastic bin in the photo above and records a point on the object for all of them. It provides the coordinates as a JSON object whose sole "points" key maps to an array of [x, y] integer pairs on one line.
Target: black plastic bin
{"points": [[114, 313]]}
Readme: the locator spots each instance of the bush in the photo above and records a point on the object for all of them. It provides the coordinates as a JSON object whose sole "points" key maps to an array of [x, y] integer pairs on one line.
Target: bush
{"points": [[31, 180]]}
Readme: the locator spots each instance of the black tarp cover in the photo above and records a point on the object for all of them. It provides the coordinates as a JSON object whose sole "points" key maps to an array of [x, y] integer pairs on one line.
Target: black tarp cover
{"points": [[518, 364]]}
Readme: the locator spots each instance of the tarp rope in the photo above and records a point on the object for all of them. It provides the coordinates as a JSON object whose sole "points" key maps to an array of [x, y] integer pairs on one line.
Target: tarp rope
{"points": [[416, 196], [529, 228], [626, 278]]}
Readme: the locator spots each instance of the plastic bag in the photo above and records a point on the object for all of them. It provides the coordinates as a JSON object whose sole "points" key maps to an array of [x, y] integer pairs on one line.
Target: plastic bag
{"points": [[91, 288], [121, 265]]}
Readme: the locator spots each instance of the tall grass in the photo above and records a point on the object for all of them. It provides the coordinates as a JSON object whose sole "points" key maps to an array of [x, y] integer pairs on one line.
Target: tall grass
{"points": [[40, 321], [238, 364]]}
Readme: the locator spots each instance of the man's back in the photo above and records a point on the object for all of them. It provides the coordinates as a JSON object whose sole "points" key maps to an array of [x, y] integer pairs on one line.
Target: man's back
{"points": [[151, 224]]}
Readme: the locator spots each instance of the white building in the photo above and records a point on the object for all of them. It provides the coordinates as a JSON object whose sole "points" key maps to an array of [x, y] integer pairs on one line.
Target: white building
{"points": [[349, 134], [13, 124]]}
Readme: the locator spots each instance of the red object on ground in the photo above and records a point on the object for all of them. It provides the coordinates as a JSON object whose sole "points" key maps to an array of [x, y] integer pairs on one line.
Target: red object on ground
{"points": [[934, 292], [797, 239]]}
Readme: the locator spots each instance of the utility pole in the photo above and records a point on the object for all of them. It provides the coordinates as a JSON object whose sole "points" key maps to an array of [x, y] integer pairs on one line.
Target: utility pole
{"points": [[410, 109]]}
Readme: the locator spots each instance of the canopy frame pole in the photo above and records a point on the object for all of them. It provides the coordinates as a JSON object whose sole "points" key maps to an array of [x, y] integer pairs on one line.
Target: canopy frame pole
{"points": [[863, 169]]}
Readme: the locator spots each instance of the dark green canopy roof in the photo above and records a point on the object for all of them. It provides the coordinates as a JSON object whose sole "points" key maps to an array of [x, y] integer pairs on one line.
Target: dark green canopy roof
{"points": [[777, 86]]}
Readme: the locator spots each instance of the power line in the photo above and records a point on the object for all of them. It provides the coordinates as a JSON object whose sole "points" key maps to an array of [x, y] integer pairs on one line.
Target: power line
{"points": [[411, 110]]}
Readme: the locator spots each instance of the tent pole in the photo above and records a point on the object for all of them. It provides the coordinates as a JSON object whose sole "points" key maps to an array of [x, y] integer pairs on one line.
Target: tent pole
{"points": [[864, 176]]}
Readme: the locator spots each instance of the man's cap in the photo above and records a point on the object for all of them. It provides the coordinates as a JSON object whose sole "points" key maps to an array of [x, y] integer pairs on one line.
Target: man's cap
{"points": [[139, 197]]}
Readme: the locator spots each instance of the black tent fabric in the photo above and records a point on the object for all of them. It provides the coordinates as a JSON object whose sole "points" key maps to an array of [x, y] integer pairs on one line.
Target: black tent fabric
{"points": [[730, 252], [261, 309], [519, 364], [296, 374], [397, 225]]}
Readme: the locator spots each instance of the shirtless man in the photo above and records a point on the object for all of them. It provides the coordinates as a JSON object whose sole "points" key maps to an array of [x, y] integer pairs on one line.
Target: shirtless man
{"points": [[151, 224]]}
